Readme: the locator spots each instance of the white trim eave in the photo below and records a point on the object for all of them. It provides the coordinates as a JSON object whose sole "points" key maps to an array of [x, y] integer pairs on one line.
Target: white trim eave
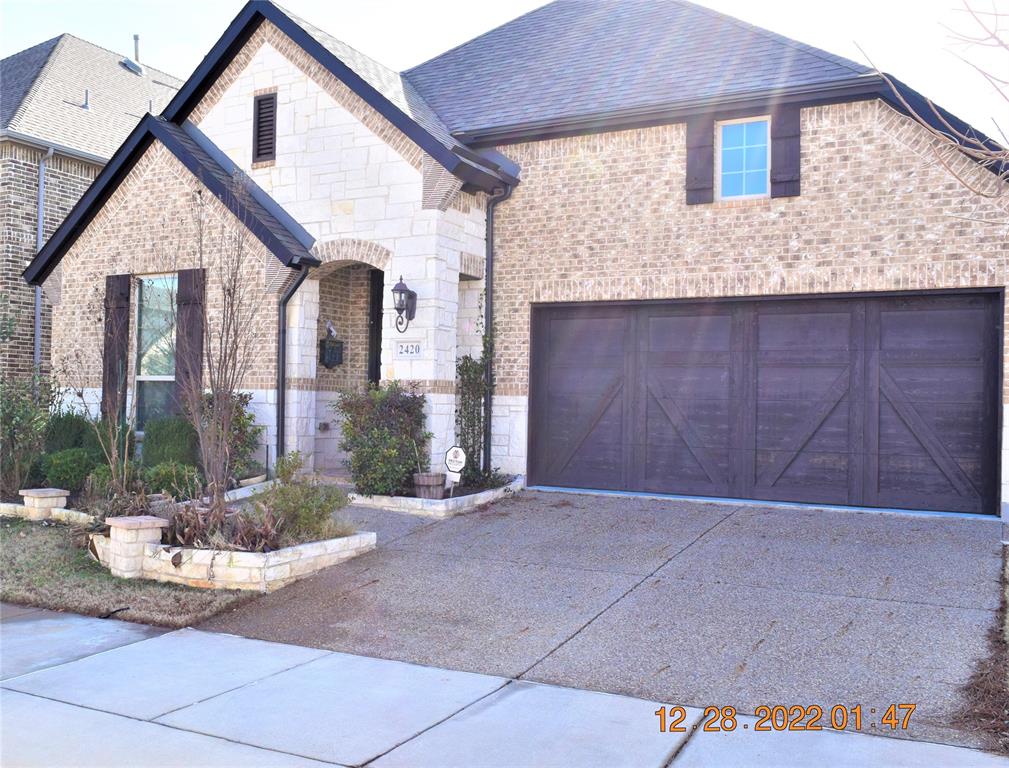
{"points": [[32, 141]]}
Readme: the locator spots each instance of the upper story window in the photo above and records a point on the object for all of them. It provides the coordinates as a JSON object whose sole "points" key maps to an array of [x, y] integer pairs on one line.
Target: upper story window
{"points": [[264, 128], [744, 168], [155, 348]]}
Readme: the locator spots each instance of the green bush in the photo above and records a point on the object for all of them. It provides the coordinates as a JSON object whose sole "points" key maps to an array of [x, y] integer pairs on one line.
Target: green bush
{"points": [[68, 469], [68, 429], [383, 430], [180, 481], [98, 434], [99, 479], [25, 405], [170, 439], [295, 509], [244, 441]]}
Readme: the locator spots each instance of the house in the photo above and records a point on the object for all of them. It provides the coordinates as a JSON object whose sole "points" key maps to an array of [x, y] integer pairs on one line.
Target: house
{"points": [[718, 262], [67, 105]]}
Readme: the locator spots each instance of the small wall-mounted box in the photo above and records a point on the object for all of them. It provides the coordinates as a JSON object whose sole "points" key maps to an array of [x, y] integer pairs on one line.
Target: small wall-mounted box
{"points": [[330, 352]]}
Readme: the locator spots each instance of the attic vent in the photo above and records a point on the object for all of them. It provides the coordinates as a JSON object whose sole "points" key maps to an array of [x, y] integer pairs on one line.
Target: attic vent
{"points": [[135, 68], [264, 128]]}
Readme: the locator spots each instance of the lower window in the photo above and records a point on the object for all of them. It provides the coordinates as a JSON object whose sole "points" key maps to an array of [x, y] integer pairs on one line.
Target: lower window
{"points": [[155, 378]]}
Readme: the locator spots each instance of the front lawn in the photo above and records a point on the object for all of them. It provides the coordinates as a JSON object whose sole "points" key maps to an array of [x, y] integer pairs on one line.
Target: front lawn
{"points": [[40, 566]]}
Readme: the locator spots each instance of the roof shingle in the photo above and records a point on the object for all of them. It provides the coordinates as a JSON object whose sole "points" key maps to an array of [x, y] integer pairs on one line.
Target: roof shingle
{"points": [[43, 95], [575, 58]]}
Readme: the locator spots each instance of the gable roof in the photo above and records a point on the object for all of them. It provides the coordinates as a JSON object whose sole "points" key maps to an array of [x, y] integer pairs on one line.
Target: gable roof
{"points": [[580, 58], [384, 90], [286, 244], [44, 91]]}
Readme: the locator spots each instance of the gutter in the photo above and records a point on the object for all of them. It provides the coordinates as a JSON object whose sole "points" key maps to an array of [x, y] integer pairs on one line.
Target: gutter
{"points": [[499, 196], [39, 232], [282, 352], [22, 138]]}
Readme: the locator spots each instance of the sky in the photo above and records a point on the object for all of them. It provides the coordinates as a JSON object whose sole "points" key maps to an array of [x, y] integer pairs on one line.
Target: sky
{"points": [[908, 38]]}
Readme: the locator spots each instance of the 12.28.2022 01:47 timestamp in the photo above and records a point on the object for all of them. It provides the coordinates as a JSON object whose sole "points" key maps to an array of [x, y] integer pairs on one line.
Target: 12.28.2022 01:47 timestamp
{"points": [[796, 717]]}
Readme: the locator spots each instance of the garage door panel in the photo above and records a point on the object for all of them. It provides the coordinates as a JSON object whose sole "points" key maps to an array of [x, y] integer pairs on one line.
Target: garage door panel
{"points": [[889, 401], [939, 383], [709, 420], [778, 423], [687, 332], [796, 383], [805, 330]]}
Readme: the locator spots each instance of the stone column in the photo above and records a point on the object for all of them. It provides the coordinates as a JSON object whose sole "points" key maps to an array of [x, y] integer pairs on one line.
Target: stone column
{"points": [[127, 537], [39, 502], [302, 358]]}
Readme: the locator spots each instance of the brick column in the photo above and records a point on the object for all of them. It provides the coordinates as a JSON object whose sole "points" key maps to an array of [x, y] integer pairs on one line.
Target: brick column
{"points": [[39, 502], [127, 537]]}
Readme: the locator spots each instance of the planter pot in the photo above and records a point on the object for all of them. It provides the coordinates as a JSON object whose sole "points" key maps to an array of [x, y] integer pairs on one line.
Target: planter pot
{"points": [[251, 481], [429, 485]]}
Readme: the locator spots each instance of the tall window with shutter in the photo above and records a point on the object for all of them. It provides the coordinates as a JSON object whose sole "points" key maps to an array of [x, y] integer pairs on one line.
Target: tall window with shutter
{"points": [[264, 128], [155, 347]]}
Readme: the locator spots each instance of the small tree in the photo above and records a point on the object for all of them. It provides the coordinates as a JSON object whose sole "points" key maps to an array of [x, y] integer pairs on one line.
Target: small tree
{"points": [[990, 32], [232, 335]]}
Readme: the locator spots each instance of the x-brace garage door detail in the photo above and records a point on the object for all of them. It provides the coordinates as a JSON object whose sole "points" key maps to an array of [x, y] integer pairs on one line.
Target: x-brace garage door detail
{"points": [[887, 402]]}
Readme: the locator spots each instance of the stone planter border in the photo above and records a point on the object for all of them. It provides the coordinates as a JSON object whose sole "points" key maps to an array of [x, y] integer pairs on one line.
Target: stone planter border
{"points": [[134, 550], [438, 507]]}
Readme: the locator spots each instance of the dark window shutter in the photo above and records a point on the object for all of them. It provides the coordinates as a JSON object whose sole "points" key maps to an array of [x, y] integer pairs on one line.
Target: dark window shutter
{"points": [[189, 300], [264, 127], [700, 160], [117, 341], [785, 156]]}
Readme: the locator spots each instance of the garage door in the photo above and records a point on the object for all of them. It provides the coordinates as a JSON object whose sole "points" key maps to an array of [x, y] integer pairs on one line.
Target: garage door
{"points": [[888, 402]]}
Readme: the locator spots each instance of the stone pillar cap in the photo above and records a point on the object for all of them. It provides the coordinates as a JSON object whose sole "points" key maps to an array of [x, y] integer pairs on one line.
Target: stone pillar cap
{"points": [[42, 493], [136, 521]]}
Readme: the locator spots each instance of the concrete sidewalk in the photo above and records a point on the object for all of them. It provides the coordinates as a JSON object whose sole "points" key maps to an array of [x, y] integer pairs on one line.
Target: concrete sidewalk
{"points": [[189, 698]]}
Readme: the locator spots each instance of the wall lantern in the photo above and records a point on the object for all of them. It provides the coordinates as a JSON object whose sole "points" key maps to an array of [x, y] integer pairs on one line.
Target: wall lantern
{"points": [[405, 302]]}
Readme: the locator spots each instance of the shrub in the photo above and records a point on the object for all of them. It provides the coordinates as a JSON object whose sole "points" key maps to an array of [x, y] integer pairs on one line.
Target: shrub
{"points": [[68, 469], [469, 415], [383, 430], [25, 405], [98, 481], [98, 434], [296, 509], [170, 439], [68, 429], [180, 481], [244, 441]]}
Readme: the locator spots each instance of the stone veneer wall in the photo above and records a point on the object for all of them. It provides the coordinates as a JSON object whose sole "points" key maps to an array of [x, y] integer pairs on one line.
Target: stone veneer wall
{"points": [[603, 217], [66, 180]]}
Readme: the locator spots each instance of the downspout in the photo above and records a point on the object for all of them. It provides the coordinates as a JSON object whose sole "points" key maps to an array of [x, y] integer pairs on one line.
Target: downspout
{"points": [[39, 231], [282, 354], [499, 196]]}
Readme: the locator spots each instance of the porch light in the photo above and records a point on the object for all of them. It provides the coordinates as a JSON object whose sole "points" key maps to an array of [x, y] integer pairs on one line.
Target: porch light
{"points": [[405, 302]]}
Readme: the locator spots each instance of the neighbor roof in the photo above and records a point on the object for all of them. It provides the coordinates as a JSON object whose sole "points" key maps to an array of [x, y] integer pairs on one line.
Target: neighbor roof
{"points": [[44, 87], [277, 236], [575, 58]]}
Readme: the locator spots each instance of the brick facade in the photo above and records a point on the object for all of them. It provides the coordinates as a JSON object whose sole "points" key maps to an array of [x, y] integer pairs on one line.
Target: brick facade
{"points": [[604, 217], [66, 179], [343, 300], [149, 226]]}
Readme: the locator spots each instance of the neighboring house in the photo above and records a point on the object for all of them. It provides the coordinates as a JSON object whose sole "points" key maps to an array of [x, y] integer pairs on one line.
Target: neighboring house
{"points": [[719, 262], [65, 107]]}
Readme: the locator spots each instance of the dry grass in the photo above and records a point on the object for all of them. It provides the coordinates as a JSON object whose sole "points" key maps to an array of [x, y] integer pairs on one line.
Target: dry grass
{"points": [[987, 691], [40, 566]]}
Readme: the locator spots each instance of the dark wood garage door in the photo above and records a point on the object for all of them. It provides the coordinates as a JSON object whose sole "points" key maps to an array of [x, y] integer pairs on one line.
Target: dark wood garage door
{"points": [[888, 402]]}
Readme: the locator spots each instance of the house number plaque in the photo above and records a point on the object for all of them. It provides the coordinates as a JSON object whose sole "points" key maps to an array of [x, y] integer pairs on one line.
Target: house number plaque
{"points": [[408, 349]]}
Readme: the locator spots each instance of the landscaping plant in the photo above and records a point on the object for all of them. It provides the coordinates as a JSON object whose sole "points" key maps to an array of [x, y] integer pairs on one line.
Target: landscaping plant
{"points": [[68, 469], [380, 427], [180, 481], [471, 388], [170, 439], [25, 406], [245, 437], [68, 429]]}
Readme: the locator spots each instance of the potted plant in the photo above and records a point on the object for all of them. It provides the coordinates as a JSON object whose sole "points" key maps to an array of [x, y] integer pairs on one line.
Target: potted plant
{"points": [[427, 485]]}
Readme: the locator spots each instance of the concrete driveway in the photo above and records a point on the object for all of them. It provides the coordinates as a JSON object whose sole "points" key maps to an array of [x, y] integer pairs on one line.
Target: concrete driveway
{"points": [[695, 604]]}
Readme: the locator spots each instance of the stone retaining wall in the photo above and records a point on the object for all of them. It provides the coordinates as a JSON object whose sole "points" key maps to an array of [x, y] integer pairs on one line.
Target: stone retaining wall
{"points": [[438, 508]]}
